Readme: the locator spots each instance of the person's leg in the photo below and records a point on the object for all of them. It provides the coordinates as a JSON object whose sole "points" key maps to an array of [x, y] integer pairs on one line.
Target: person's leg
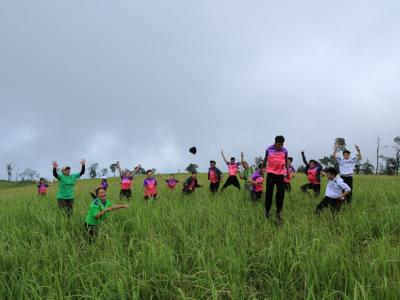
{"points": [[349, 181], [288, 187], [335, 205], [227, 183], [121, 194], [91, 233], [280, 193], [128, 194], [146, 198], [323, 204], [235, 182], [304, 188], [269, 193], [317, 190]]}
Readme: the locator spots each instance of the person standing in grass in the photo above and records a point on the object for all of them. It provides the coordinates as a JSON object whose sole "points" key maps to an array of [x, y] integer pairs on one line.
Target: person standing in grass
{"points": [[98, 212], [346, 167], [42, 186], [276, 163], [214, 177], [126, 181], [150, 186], [336, 192], [190, 184], [313, 172], [66, 185], [257, 181], [290, 175], [233, 168], [246, 173], [171, 182]]}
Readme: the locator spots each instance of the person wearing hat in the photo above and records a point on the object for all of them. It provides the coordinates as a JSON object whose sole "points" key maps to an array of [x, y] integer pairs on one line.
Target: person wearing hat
{"points": [[67, 181], [346, 167]]}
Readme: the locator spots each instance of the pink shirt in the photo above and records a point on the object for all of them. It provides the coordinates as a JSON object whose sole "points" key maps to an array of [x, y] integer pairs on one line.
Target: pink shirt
{"points": [[289, 175], [233, 168], [312, 176], [150, 187], [126, 183], [276, 160]]}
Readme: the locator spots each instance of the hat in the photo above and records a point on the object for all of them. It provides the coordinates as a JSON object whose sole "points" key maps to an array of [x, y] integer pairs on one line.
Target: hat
{"points": [[66, 168], [193, 150]]}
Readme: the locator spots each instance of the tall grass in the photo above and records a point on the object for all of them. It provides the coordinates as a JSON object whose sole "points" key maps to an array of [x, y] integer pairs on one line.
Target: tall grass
{"points": [[202, 247]]}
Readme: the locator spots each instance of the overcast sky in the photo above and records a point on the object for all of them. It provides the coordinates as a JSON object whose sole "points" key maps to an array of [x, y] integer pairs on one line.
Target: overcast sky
{"points": [[143, 81]]}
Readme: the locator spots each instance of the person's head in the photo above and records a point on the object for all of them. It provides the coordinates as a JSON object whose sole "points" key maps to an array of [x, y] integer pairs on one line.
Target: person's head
{"points": [[346, 154], [245, 165], [128, 173], [290, 160], [331, 173], [194, 174], [313, 163], [149, 173], [279, 141], [173, 176], [213, 163], [66, 171], [99, 193], [42, 180], [233, 160], [261, 170]]}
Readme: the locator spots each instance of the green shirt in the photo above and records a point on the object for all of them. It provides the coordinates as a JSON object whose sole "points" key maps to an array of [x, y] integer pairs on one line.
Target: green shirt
{"points": [[66, 186], [95, 208], [246, 173]]}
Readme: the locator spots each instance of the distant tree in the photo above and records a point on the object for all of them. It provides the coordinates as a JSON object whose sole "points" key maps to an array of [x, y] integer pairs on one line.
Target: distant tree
{"points": [[104, 172], [357, 168], [192, 168], [141, 171], [301, 169], [29, 174], [367, 168], [328, 161], [258, 160], [93, 170], [154, 171], [390, 167], [9, 171], [397, 153], [113, 168]]}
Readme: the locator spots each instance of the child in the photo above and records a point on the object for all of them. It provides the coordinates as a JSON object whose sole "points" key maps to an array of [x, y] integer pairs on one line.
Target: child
{"points": [[150, 186], [171, 182], [233, 168], [214, 176], [346, 167], [42, 186], [290, 174], [98, 211], [313, 172], [334, 194], [257, 181], [190, 184]]}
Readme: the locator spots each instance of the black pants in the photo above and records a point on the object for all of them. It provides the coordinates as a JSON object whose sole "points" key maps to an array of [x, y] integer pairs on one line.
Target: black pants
{"points": [[335, 204], [127, 194], [255, 196], [91, 232], [288, 187], [279, 181], [349, 181], [66, 206], [214, 187], [153, 197], [311, 186], [232, 180]]}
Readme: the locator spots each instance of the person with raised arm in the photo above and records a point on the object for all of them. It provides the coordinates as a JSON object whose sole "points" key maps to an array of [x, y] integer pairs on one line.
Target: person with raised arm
{"points": [[276, 163], [126, 181], [66, 185], [246, 173], [171, 181], [346, 167], [42, 187], [99, 209], [150, 185], [233, 169], [190, 184], [290, 175], [313, 172]]}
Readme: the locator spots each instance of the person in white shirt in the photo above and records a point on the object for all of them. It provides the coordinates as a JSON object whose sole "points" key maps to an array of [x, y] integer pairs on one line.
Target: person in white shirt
{"points": [[336, 192], [346, 167]]}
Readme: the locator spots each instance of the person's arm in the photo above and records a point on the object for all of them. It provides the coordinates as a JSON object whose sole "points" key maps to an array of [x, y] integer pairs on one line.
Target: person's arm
{"points": [[55, 166], [83, 163], [223, 156], [265, 159], [241, 158], [303, 155], [335, 149], [359, 156], [162, 177], [345, 188], [136, 170], [110, 209]]}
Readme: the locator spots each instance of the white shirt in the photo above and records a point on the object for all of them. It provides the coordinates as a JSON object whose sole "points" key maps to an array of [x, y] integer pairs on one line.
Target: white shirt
{"points": [[346, 166], [335, 188]]}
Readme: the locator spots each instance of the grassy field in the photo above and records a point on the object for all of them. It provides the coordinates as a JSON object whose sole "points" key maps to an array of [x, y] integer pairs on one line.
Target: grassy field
{"points": [[202, 247]]}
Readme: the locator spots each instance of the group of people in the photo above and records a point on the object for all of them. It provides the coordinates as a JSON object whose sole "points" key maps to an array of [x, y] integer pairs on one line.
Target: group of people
{"points": [[276, 171]]}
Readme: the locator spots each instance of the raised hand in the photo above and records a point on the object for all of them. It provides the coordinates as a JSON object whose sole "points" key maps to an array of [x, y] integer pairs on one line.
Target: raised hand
{"points": [[357, 148], [83, 161], [55, 165]]}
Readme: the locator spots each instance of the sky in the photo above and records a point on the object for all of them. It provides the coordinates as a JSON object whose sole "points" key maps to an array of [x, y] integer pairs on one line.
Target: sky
{"points": [[143, 81]]}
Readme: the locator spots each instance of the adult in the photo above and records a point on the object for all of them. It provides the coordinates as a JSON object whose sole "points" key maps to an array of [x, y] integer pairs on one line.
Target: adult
{"points": [[313, 172], [233, 169]]}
